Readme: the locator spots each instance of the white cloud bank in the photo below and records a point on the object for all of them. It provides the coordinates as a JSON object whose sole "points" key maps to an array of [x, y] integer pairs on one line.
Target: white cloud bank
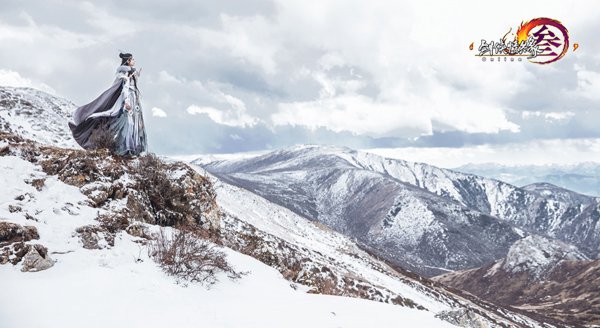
{"points": [[536, 152], [10, 78], [158, 112], [231, 117], [378, 69]]}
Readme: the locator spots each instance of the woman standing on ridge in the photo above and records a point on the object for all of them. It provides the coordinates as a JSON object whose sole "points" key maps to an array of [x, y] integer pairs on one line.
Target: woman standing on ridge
{"points": [[114, 120]]}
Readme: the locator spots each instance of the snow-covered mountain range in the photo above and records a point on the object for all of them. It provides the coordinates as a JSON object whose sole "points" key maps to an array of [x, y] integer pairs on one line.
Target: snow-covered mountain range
{"points": [[583, 177], [65, 194], [428, 219]]}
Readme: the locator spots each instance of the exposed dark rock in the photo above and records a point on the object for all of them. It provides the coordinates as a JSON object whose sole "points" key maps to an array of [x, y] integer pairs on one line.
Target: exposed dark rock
{"points": [[38, 183], [14, 208], [95, 237], [13, 232], [34, 257], [30, 217], [139, 230]]}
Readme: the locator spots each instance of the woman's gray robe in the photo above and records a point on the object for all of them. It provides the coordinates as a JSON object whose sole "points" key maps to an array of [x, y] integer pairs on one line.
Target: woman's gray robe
{"points": [[107, 112]]}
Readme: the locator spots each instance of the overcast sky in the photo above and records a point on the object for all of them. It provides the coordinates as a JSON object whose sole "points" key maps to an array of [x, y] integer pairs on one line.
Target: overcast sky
{"points": [[228, 76]]}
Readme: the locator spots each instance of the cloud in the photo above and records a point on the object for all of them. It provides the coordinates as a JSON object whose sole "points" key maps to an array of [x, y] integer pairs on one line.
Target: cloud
{"points": [[341, 107], [166, 77], [385, 73], [111, 25], [33, 33], [14, 79], [234, 115], [353, 113], [157, 112], [535, 152], [230, 117], [548, 116], [588, 83]]}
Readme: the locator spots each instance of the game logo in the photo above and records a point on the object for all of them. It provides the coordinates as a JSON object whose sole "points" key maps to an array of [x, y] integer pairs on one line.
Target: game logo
{"points": [[540, 41]]}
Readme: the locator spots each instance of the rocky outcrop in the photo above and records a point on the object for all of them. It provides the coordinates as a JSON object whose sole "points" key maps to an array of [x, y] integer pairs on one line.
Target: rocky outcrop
{"points": [[154, 191], [13, 248], [95, 237], [36, 259], [127, 193], [13, 232], [462, 318], [140, 230]]}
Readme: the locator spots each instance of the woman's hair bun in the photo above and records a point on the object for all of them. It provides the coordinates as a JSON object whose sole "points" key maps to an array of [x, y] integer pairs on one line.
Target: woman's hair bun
{"points": [[125, 57]]}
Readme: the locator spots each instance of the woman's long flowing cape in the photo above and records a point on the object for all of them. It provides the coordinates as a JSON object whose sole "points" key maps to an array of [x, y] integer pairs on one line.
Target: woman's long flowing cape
{"points": [[89, 117]]}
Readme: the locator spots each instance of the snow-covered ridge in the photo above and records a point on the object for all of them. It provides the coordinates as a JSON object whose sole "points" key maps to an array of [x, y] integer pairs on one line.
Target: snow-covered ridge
{"points": [[550, 191], [329, 185], [283, 173], [36, 115]]}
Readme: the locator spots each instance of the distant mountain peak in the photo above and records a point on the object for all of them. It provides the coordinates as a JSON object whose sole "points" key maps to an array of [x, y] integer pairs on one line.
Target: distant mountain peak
{"points": [[545, 187], [583, 177], [552, 191]]}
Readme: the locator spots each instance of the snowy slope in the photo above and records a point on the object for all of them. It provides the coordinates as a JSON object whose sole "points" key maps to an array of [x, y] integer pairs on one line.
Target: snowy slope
{"points": [[537, 255], [111, 290], [403, 223], [36, 115], [329, 247], [108, 287], [283, 223]]}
